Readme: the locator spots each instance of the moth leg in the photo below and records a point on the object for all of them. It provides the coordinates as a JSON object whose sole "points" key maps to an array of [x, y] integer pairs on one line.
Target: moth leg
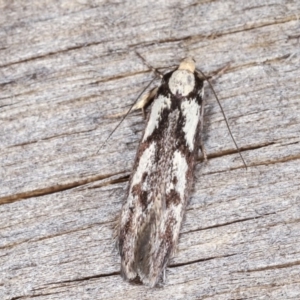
{"points": [[203, 150], [141, 104], [204, 153], [145, 100], [201, 144], [150, 67], [214, 75], [219, 72]]}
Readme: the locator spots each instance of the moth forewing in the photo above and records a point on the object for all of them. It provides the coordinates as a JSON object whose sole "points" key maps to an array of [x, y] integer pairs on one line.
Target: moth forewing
{"points": [[162, 176]]}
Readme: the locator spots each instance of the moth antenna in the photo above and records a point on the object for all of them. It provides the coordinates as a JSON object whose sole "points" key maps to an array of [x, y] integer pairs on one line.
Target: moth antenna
{"points": [[123, 118], [223, 113]]}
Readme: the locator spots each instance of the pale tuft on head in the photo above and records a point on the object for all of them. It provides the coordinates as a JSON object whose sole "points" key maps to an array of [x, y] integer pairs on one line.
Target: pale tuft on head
{"points": [[187, 64]]}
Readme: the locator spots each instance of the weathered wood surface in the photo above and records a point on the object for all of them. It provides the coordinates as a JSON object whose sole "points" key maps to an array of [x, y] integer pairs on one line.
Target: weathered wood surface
{"points": [[65, 65]]}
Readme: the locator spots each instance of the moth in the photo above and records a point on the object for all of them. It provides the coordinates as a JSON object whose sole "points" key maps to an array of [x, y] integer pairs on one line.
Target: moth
{"points": [[162, 176]]}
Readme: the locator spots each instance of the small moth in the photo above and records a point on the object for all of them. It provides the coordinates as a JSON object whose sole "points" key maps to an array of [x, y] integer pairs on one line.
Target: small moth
{"points": [[162, 176]]}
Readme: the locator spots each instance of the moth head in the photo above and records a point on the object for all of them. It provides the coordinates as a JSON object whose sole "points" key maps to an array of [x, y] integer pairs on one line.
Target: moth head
{"points": [[187, 64]]}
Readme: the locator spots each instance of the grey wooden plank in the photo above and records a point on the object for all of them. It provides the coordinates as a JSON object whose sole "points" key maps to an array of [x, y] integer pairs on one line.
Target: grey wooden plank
{"points": [[65, 67]]}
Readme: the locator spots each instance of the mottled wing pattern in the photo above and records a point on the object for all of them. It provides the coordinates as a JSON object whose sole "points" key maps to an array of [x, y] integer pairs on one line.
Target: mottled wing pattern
{"points": [[162, 177]]}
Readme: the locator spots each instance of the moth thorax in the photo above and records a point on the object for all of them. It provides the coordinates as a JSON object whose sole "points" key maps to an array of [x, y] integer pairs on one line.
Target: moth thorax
{"points": [[182, 82]]}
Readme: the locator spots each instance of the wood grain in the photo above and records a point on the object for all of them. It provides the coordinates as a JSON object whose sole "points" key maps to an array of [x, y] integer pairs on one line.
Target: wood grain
{"points": [[65, 66]]}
